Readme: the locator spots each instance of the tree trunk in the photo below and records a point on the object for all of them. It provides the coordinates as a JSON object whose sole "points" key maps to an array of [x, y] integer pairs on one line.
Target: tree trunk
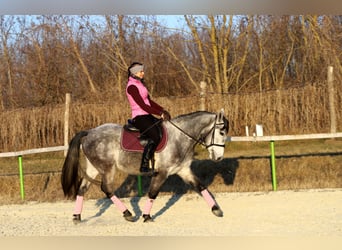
{"points": [[214, 47], [245, 52], [204, 63]]}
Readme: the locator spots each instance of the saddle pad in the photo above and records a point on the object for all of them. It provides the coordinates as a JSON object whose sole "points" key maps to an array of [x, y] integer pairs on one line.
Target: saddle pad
{"points": [[130, 141]]}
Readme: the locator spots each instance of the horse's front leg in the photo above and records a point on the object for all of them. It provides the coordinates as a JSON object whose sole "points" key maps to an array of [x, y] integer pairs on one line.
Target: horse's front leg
{"points": [[156, 182], [187, 175], [211, 202], [108, 188]]}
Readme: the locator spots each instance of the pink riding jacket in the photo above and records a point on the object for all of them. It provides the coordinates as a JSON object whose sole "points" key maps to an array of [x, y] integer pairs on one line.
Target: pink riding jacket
{"points": [[138, 98]]}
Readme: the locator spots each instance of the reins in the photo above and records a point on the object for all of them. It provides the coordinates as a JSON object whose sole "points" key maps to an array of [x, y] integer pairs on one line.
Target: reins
{"points": [[200, 140]]}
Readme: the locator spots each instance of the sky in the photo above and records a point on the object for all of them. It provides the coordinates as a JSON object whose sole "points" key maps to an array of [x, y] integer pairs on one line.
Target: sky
{"points": [[171, 21]]}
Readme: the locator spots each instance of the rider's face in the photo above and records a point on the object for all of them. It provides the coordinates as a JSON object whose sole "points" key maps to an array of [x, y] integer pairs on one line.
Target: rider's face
{"points": [[140, 74]]}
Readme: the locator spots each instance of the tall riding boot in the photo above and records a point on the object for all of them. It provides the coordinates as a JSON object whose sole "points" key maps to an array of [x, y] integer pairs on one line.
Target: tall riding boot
{"points": [[148, 155]]}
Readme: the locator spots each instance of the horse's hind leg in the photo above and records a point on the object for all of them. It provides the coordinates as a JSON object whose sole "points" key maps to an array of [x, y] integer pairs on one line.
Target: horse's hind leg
{"points": [[108, 188], [85, 184], [188, 177]]}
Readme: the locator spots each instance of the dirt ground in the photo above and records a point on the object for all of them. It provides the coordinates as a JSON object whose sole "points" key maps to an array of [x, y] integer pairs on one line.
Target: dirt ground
{"points": [[303, 213]]}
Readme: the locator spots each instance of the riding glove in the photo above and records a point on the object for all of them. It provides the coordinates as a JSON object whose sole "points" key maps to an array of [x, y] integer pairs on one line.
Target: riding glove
{"points": [[165, 115]]}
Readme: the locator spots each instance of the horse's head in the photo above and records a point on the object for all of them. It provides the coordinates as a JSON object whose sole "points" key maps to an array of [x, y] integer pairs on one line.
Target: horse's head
{"points": [[215, 140]]}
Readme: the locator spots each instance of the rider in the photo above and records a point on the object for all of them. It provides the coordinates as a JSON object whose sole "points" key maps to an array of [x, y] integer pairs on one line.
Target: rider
{"points": [[143, 109]]}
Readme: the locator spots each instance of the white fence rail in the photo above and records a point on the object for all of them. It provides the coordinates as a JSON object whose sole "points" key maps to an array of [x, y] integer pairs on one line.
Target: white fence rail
{"points": [[285, 137], [33, 151], [270, 139], [232, 138]]}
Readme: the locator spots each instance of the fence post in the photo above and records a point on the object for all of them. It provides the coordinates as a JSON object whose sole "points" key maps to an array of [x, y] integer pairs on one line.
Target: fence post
{"points": [[139, 186], [66, 121], [273, 167], [203, 86], [331, 99], [21, 177]]}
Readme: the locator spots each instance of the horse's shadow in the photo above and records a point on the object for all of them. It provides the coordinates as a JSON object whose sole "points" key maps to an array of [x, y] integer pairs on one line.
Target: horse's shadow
{"points": [[205, 170]]}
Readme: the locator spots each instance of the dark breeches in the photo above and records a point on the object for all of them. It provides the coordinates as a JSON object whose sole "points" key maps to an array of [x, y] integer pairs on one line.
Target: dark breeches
{"points": [[147, 124]]}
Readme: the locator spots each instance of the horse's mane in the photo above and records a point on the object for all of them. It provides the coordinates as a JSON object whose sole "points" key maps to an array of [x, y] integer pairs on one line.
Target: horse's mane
{"points": [[192, 114], [197, 113]]}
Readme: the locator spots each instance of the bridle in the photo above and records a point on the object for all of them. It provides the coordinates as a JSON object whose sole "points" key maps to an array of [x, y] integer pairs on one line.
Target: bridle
{"points": [[212, 141], [201, 140]]}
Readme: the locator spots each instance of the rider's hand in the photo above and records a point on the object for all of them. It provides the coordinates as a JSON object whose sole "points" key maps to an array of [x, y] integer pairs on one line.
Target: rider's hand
{"points": [[165, 115]]}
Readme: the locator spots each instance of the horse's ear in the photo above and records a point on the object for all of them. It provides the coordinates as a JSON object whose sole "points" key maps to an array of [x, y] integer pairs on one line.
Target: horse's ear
{"points": [[221, 114]]}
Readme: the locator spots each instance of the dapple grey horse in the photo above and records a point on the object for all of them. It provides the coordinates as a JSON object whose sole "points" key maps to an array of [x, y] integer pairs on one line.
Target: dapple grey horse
{"points": [[104, 155]]}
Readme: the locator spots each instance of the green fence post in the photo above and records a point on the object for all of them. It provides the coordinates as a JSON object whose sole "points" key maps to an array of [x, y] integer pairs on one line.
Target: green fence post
{"points": [[139, 186], [21, 177], [273, 167]]}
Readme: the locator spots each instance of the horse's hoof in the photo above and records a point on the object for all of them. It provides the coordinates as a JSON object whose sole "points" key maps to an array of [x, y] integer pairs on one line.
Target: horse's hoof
{"points": [[76, 219], [128, 216], [147, 218], [217, 211]]}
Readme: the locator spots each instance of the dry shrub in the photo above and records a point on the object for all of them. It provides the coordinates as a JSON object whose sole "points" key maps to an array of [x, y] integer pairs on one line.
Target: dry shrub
{"points": [[292, 111], [32, 128], [310, 172]]}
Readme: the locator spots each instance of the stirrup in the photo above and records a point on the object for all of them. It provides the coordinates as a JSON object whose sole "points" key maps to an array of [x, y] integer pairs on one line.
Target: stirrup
{"points": [[146, 170]]}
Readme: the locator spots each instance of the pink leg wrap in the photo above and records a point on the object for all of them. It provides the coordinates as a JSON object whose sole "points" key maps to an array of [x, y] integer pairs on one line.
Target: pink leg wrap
{"points": [[79, 204], [118, 203], [148, 206], [208, 198]]}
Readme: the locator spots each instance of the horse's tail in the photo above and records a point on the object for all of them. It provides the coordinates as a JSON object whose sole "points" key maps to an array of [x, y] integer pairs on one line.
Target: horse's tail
{"points": [[69, 179]]}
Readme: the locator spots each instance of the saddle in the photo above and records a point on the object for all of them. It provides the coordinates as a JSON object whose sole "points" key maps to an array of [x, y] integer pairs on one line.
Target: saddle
{"points": [[132, 141]]}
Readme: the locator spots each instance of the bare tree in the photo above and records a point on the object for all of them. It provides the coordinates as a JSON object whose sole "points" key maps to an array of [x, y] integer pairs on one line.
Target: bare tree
{"points": [[6, 27], [75, 48], [42, 57], [114, 49]]}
